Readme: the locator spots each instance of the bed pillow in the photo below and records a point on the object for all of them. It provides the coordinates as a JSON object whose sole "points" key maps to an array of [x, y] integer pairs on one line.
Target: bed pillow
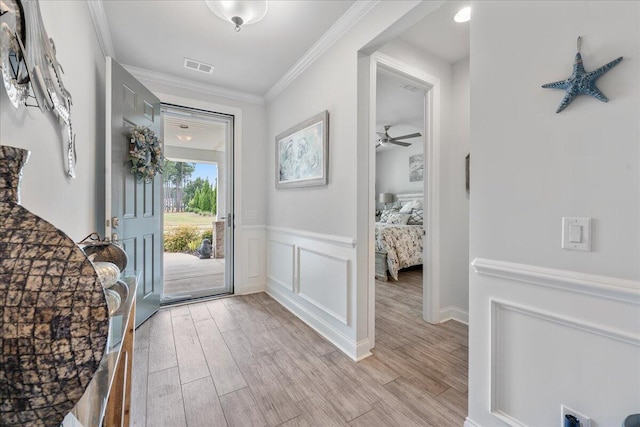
{"points": [[409, 206], [416, 217], [384, 216], [398, 218]]}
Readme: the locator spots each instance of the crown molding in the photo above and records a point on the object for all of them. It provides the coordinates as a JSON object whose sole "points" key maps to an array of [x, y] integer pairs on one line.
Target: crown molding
{"points": [[182, 83], [96, 10], [359, 9]]}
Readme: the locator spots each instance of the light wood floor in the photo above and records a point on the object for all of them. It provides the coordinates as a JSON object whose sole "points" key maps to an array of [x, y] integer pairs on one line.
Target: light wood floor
{"points": [[246, 361]]}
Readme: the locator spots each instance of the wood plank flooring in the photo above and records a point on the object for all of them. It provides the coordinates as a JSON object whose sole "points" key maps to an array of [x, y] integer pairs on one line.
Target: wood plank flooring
{"points": [[247, 361], [185, 274]]}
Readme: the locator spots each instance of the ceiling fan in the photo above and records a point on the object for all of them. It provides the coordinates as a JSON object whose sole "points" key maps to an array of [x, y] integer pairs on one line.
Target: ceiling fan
{"points": [[385, 138]]}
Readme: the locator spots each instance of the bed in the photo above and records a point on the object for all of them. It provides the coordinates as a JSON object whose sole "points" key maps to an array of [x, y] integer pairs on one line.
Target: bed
{"points": [[399, 246]]}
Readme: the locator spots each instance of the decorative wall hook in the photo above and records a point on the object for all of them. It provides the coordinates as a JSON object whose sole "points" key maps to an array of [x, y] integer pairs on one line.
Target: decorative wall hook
{"points": [[580, 82], [30, 69]]}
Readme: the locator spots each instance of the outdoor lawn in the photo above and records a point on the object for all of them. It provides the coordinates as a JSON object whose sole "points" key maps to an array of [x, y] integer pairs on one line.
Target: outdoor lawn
{"points": [[172, 219]]}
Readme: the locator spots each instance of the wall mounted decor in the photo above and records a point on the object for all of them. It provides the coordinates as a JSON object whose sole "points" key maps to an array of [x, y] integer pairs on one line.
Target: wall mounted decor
{"points": [[580, 82], [145, 153], [467, 171], [416, 168], [302, 153], [54, 323], [30, 70]]}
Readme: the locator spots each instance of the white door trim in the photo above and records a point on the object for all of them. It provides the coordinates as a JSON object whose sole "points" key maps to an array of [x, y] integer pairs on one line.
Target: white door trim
{"points": [[237, 171], [431, 257]]}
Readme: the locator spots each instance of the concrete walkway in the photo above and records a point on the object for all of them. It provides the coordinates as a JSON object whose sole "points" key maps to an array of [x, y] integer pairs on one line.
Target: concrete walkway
{"points": [[186, 274]]}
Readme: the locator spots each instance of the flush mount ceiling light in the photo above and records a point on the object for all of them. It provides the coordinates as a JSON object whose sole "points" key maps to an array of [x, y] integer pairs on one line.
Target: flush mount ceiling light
{"points": [[239, 12], [463, 15]]}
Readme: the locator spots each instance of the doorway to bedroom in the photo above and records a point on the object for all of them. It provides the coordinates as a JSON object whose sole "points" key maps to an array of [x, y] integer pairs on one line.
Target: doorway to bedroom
{"points": [[400, 173], [405, 318], [197, 194], [399, 188]]}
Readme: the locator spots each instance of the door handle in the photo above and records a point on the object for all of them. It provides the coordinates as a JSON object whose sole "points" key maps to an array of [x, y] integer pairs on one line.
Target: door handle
{"points": [[229, 220], [115, 222]]}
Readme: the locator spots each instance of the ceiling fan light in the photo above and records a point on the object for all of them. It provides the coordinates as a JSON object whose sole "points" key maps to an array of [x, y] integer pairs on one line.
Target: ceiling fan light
{"points": [[239, 12]]}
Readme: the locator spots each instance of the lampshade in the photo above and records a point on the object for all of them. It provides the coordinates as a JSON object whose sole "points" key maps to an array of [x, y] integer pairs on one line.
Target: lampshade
{"points": [[239, 12], [385, 197]]}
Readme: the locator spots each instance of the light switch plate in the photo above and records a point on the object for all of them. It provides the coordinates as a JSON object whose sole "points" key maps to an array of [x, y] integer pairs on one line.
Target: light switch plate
{"points": [[576, 229]]}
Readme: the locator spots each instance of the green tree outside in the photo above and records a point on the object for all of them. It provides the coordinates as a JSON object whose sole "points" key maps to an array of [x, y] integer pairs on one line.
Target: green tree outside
{"points": [[176, 175], [204, 199]]}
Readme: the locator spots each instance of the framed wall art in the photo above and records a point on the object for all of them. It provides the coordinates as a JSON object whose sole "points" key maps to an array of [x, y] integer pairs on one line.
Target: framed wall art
{"points": [[467, 171], [302, 153], [416, 168]]}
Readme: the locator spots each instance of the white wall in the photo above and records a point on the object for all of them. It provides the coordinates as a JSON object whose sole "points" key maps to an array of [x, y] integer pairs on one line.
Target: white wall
{"points": [[530, 167], [392, 166], [454, 143], [329, 84], [403, 110], [454, 293], [329, 212], [581, 162], [75, 206]]}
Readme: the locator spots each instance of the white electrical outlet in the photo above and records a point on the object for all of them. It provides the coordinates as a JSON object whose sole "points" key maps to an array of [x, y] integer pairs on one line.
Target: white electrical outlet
{"points": [[584, 420]]}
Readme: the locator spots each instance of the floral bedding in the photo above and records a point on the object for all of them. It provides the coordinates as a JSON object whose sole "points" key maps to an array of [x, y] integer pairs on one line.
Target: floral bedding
{"points": [[402, 243]]}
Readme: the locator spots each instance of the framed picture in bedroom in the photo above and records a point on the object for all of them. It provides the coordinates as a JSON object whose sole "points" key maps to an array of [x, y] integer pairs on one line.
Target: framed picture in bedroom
{"points": [[416, 168], [302, 153]]}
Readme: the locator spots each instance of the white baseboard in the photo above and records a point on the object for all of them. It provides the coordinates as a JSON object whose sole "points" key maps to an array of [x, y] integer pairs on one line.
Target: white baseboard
{"points": [[363, 349], [454, 313], [249, 289], [347, 346], [470, 423]]}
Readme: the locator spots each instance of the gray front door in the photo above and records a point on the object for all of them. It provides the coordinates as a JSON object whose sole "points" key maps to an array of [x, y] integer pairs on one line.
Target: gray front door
{"points": [[134, 210]]}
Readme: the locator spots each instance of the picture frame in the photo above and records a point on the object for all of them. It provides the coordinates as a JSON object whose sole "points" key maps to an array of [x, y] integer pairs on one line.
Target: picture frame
{"points": [[416, 168], [302, 153], [467, 170]]}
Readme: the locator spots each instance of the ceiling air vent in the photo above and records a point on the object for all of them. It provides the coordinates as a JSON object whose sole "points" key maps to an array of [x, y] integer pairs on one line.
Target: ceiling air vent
{"points": [[411, 88], [192, 64]]}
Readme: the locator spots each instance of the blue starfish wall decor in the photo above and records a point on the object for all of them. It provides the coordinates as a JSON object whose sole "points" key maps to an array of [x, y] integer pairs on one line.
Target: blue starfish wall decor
{"points": [[580, 82]]}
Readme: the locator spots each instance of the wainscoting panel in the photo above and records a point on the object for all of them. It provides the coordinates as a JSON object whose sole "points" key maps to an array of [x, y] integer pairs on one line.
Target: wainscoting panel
{"points": [[311, 274], [253, 248], [525, 339], [545, 337], [253, 266], [324, 282], [280, 264]]}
